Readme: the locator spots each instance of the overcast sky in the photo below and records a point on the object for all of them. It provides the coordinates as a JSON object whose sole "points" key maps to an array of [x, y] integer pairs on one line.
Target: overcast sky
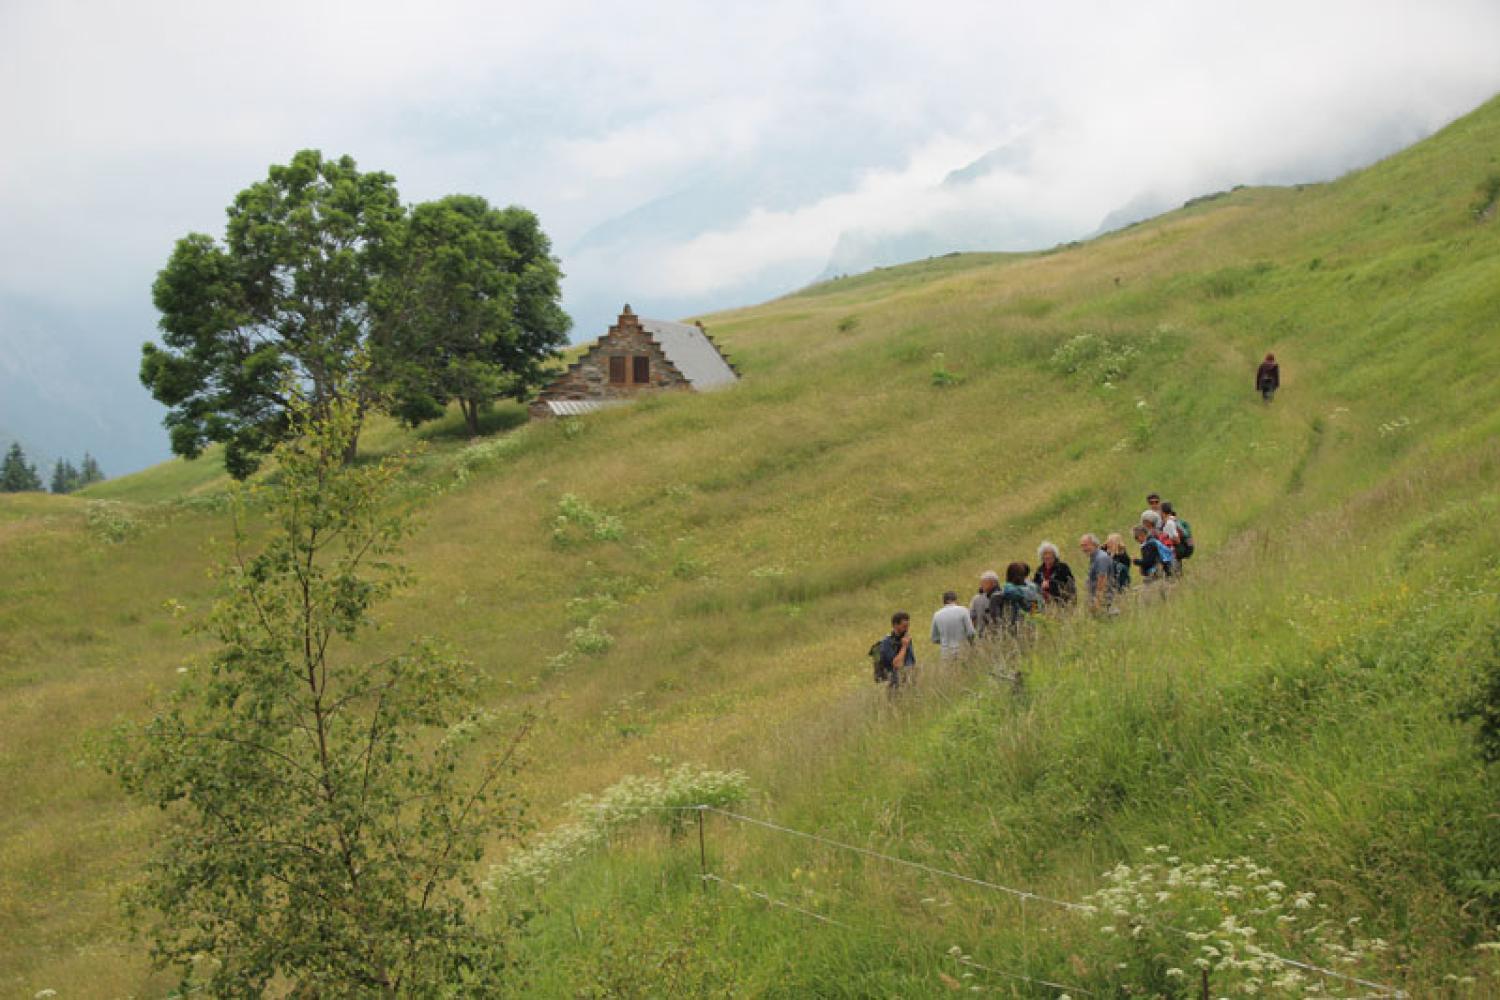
{"points": [[683, 156]]}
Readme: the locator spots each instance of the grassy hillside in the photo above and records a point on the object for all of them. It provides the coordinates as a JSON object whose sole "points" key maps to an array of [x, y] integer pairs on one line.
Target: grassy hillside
{"points": [[1292, 702]]}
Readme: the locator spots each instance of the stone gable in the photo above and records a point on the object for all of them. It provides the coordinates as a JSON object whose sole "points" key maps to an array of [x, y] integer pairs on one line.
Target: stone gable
{"points": [[587, 379]]}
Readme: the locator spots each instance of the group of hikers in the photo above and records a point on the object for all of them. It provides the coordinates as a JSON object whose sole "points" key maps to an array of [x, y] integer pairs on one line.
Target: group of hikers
{"points": [[1007, 608]]}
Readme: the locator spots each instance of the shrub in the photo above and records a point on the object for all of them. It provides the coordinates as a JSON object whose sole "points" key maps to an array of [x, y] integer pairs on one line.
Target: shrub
{"points": [[584, 610], [665, 798], [574, 512], [1097, 358], [848, 324], [942, 378], [687, 566], [483, 453], [321, 820], [111, 521], [590, 639], [1483, 704], [1488, 197], [1164, 921]]}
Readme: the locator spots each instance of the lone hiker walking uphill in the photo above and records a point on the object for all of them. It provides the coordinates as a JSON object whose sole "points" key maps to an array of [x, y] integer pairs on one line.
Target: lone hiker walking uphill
{"points": [[1268, 377]]}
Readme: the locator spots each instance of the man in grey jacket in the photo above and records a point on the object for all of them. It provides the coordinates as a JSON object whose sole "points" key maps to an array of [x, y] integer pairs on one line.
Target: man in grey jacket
{"points": [[1101, 571], [979, 607]]}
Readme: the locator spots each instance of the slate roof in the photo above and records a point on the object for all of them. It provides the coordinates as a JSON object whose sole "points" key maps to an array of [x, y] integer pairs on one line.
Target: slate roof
{"points": [[689, 348], [578, 407]]}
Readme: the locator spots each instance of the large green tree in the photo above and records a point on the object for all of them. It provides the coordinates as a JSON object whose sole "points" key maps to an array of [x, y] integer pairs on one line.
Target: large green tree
{"points": [[471, 313], [324, 810], [16, 474], [284, 299]]}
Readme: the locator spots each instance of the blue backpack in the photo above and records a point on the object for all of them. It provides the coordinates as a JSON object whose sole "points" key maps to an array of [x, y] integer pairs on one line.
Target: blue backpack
{"points": [[1164, 552]]}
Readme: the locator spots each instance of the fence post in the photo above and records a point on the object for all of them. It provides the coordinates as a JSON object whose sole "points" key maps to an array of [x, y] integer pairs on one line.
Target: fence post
{"points": [[1203, 993], [702, 850]]}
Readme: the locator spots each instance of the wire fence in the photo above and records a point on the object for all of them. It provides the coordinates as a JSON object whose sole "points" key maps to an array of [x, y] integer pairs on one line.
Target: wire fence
{"points": [[1381, 991]]}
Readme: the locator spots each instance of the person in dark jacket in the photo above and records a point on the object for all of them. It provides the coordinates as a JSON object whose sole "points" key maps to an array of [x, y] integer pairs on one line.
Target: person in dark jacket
{"points": [[1015, 603], [979, 607], [1053, 577], [1154, 561], [1268, 377], [1115, 546], [897, 658]]}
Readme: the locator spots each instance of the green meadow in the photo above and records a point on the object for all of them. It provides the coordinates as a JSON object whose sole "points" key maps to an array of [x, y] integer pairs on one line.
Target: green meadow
{"points": [[695, 580]]}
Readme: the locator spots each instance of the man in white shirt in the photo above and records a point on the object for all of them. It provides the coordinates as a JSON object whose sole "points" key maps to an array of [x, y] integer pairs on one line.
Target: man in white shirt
{"points": [[951, 626]]}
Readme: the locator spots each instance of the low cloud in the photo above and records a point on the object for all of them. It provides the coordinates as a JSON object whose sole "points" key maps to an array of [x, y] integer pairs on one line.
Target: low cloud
{"points": [[683, 156]]}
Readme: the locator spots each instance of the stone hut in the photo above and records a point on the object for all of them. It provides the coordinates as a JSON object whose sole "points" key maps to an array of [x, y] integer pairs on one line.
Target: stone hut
{"points": [[636, 355]]}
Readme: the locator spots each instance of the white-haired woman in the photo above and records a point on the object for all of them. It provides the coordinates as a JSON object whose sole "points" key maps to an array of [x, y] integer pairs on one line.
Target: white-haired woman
{"points": [[1053, 577]]}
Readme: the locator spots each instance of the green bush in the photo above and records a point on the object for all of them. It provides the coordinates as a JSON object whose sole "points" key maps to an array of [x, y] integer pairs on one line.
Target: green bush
{"points": [[1482, 706], [665, 798], [590, 639], [1098, 358], [1164, 922], [573, 512], [942, 378], [111, 521], [1489, 195]]}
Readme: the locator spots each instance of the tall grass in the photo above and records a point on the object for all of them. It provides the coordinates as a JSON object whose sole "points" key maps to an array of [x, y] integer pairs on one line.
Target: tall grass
{"points": [[1289, 702]]}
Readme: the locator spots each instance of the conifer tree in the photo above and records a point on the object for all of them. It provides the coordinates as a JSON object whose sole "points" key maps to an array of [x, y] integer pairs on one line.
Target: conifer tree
{"points": [[90, 472], [16, 474], [65, 478]]}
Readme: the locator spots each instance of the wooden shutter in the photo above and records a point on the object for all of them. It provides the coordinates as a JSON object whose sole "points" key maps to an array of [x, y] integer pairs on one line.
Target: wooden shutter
{"points": [[616, 370], [642, 369]]}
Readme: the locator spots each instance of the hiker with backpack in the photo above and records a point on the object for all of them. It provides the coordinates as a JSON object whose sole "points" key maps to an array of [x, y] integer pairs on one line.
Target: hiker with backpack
{"points": [[1120, 579], [1015, 603], [951, 627], [1268, 378], [1053, 577], [894, 658], [1156, 556], [979, 607], [1180, 529], [1101, 572], [1156, 519]]}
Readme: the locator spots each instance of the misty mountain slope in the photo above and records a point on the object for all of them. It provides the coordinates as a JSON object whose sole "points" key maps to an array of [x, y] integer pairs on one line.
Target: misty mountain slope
{"points": [[897, 433]]}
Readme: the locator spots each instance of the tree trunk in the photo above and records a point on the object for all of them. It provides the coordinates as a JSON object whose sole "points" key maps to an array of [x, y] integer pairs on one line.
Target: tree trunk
{"points": [[470, 407], [351, 450]]}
